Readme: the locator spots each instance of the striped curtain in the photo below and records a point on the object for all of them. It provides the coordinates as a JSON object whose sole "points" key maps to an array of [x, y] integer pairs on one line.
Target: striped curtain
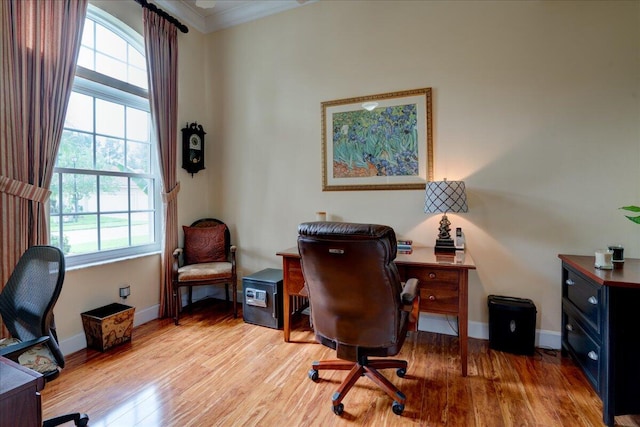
{"points": [[39, 48], [161, 48]]}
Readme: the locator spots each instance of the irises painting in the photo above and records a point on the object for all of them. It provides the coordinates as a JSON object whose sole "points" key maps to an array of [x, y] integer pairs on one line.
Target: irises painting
{"points": [[385, 145]]}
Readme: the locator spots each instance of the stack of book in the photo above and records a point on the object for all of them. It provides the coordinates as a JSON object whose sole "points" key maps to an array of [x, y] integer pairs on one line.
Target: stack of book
{"points": [[404, 246]]}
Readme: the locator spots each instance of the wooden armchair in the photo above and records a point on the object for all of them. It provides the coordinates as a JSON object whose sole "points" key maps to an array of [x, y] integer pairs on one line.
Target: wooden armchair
{"points": [[208, 258]]}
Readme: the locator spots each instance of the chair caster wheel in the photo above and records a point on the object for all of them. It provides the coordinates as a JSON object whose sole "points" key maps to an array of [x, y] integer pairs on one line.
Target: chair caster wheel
{"points": [[313, 375], [338, 409], [397, 408], [401, 372]]}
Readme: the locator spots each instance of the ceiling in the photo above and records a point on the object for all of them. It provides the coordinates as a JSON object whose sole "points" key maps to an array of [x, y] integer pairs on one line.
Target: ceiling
{"points": [[199, 15]]}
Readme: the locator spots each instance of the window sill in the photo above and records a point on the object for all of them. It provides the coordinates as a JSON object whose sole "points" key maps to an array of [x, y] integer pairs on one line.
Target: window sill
{"points": [[112, 261]]}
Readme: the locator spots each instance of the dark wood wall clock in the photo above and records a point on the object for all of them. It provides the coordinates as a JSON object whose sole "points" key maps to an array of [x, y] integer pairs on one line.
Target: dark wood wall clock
{"points": [[193, 148]]}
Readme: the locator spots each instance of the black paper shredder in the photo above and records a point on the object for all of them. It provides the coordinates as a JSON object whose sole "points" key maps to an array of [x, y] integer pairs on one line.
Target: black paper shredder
{"points": [[512, 324]]}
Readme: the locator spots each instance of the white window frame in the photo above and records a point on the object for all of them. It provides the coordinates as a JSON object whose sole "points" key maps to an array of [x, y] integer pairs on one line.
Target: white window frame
{"points": [[100, 86]]}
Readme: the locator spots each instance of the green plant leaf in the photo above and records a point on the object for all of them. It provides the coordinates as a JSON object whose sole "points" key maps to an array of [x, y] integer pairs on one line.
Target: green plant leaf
{"points": [[631, 209], [635, 219]]}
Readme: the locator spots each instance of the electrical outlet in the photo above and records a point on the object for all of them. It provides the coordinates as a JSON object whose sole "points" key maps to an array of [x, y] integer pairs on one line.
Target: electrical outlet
{"points": [[125, 291]]}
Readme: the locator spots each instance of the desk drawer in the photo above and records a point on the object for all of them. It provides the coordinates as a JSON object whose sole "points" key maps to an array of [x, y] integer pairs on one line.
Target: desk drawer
{"points": [[585, 349], [432, 275], [586, 296], [439, 297]]}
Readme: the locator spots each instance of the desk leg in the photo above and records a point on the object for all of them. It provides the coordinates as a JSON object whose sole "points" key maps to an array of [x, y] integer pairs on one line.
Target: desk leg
{"points": [[287, 315], [463, 318]]}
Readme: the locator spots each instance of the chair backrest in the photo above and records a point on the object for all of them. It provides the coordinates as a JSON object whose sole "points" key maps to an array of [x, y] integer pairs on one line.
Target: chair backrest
{"points": [[353, 284], [28, 298], [212, 222]]}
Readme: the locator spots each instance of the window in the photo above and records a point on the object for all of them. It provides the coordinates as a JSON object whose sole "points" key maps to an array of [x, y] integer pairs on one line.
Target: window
{"points": [[105, 187]]}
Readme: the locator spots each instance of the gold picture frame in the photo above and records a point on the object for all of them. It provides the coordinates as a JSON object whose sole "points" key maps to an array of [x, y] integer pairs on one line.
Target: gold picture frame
{"points": [[378, 142]]}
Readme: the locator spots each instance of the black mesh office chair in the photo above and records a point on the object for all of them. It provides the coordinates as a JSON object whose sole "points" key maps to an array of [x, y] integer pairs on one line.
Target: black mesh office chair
{"points": [[26, 308], [359, 307]]}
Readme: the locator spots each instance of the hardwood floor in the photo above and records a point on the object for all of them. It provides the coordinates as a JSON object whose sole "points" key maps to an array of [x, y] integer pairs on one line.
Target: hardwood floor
{"points": [[214, 370]]}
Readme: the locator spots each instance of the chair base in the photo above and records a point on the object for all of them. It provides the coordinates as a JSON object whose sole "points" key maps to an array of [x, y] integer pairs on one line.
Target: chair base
{"points": [[364, 367], [81, 420]]}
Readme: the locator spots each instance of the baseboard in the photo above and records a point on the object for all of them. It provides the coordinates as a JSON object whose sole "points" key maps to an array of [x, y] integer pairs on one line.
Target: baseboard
{"points": [[79, 341], [440, 324], [448, 325]]}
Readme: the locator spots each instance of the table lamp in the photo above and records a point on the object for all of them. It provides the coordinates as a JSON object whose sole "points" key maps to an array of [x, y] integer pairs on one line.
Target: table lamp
{"points": [[445, 196]]}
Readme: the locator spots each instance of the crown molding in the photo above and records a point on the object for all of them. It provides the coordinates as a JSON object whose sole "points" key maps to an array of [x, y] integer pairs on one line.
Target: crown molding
{"points": [[239, 12]]}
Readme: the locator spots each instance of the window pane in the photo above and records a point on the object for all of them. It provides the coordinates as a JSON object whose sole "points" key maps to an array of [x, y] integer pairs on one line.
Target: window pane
{"points": [[138, 77], [109, 118], [79, 112], [86, 58], [87, 34], [137, 124], [55, 235], [110, 44], [137, 59], [139, 157], [54, 198], [114, 232], [78, 194], [142, 226], [141, 194], [109, 154], [114, 194], [111, 67], [76, 150], [80, 233]]}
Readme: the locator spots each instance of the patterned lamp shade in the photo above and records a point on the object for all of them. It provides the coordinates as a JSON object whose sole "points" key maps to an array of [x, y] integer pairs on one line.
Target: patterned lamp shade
{"points": [[445, 196]]}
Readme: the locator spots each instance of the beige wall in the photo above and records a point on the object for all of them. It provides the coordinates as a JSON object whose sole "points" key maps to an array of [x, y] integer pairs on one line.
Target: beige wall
{"points": [[535, 107]]}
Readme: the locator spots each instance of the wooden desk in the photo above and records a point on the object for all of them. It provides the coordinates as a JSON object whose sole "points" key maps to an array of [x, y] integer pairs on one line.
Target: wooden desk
{"points": [[443, 283], [20, 404]]}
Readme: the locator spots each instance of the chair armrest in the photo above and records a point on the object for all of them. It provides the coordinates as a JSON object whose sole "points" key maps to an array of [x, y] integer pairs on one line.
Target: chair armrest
{"points": [[232, 258], [176, 263], [13, 351], [409, 291], [411, 303]]}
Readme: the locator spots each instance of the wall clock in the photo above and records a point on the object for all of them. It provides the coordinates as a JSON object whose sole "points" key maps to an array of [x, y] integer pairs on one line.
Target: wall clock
{"points": [[193, 148]]}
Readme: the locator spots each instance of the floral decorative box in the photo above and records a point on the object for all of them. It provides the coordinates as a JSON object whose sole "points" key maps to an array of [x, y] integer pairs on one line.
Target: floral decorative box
{"points": [[108, 326]]}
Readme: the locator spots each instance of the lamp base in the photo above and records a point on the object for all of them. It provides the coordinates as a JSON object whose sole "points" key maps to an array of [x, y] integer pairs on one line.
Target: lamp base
{"points": [[445, 246]]}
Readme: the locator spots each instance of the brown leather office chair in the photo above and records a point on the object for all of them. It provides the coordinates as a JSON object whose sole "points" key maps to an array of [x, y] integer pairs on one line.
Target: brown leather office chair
{"points": [[208, 258], [359, 306]]}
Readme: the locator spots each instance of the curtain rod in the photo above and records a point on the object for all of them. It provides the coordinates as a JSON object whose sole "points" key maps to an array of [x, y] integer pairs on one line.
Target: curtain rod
{"points": [[152, 7]]}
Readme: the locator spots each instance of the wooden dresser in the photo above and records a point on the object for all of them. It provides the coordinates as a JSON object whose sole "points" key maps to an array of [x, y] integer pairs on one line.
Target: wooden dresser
{"points": [[601, 329], [20, 404]]}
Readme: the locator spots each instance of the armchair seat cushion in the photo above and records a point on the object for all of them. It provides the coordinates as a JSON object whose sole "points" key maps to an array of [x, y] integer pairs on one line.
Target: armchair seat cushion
{"points": [[205, 271], [38, 358]]}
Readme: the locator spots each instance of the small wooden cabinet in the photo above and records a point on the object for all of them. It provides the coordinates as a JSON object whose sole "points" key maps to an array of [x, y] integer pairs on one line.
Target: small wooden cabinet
{"points": [[601, 332]]}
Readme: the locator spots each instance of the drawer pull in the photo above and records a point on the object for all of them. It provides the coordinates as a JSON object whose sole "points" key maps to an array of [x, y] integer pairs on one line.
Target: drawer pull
{"points": [[592, 355], [569, 327], [432, 275], [570, 282], [432, 297], [593, 300]]}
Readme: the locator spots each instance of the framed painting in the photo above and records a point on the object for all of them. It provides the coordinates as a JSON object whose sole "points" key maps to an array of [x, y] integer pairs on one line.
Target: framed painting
{"points": [[378, 142]]}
